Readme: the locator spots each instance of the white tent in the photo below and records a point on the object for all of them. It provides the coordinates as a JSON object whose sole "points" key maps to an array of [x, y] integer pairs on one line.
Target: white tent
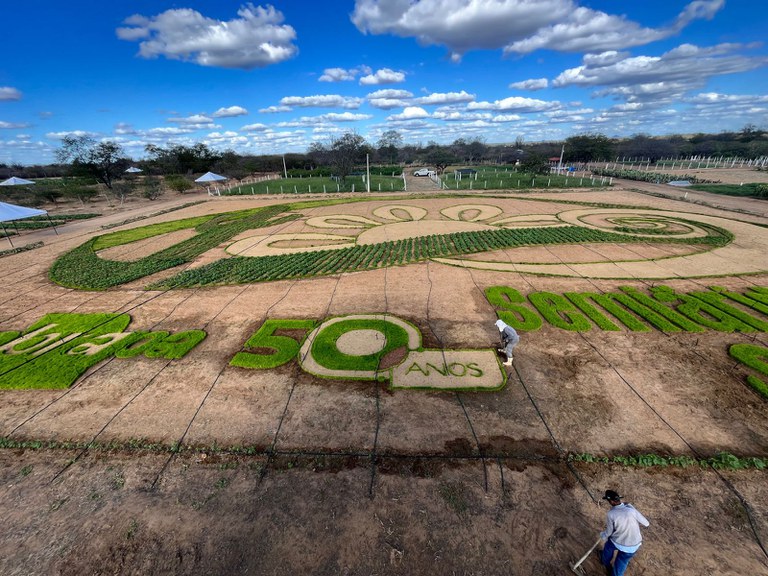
{"points": [[12, 212], [211, 177], [133, 170], [13, 181]]}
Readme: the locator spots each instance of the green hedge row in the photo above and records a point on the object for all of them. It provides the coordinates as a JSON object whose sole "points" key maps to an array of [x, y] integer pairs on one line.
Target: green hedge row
{"points": [[722, 461], [242, 270]]}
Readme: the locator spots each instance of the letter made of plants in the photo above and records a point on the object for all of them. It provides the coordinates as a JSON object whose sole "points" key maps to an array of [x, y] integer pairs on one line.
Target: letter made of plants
{"points": [[370, 347], [58, 348]]}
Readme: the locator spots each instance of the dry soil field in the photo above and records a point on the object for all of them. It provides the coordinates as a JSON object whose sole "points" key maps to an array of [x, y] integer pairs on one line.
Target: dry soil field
{"points": [[349, 414]]}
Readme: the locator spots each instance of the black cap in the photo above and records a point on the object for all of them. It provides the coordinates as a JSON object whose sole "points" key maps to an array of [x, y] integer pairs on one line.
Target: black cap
{"points": [[611, 496]]}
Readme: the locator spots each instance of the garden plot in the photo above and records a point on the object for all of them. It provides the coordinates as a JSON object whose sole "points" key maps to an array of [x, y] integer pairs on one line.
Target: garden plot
{"points": [[289, 424]]}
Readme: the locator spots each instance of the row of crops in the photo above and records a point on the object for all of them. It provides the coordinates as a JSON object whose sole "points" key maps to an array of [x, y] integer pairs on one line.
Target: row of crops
{"points": [[508, 180], [654, 177], [317, 185], [240, 270]]}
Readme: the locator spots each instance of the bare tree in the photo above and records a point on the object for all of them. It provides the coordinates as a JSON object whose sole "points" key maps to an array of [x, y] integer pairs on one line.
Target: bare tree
{"points": [[105, 161]]}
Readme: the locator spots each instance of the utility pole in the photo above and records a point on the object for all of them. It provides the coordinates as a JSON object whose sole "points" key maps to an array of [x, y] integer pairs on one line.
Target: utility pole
{"points": [[560, 165], [367, 174], [285, 170]]}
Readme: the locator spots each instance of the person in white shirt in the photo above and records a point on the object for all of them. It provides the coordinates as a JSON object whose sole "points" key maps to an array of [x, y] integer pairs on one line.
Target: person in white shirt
{"points": [[622, 534], [509, 339]]}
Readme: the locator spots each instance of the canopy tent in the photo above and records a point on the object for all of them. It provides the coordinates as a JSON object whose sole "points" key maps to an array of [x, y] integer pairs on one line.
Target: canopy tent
{"points": [[134, 170], [211, 177], [13, 181], [12, 212]]}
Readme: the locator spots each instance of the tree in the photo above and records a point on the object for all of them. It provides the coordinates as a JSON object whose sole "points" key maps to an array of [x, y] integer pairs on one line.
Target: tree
{"points": [[440, 157], [178, 183], [180, 159], [389, 143], [105, 161], [534, 164], [346, 152], [588, 148], [318, 154]]}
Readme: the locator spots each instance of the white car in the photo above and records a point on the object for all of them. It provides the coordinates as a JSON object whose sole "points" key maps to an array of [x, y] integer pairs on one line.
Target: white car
{"points": [[424, 172]]}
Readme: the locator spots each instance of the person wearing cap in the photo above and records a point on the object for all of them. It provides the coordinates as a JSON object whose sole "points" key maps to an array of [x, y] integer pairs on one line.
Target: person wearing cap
{"points": [[621, 534], [509, 339]]}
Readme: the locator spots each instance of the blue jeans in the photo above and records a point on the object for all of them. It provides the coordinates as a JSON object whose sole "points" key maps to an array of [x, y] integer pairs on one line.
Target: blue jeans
{"points": [[622, 558]]}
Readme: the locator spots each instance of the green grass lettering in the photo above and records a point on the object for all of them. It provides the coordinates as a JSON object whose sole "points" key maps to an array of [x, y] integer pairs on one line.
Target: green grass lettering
{"points": [[559, 312], [741, 299], [284, 348], [671, 320], [513, 308], [716, 300], [699, 311], [175, 346]]}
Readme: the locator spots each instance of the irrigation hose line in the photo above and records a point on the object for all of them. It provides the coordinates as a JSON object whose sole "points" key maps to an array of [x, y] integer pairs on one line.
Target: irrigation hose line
{"points": [[456, 394]]}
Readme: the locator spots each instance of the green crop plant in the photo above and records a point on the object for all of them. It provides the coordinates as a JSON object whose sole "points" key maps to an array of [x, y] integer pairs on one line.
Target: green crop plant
{"points": [[661, 316], [721, 461], [511, 309], [559, 312], [699, 311], [281, 349], [607, 302], [326, 352], [715, 300], [756, 357]]}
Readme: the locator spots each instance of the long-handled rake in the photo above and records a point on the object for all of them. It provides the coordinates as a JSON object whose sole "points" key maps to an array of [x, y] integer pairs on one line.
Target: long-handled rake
{"points": [[576, 568]]}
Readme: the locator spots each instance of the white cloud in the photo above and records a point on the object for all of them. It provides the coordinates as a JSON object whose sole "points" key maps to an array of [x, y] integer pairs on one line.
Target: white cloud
{"points": [[390, 93], [670, 75], [516, 103], [230, 112], [532, 84], [387, 103], [170, 131], [13, 125], [345, 117], [123, 129], [410, 113], [519, 26], [506, 118], [255, 39], [254, 127], [446, 98], [337, 75], [389, 98], [458, 115], [322, 101], [275, 109], [194, 119], [9, 93], [383, 76], [342, 74], [75, 133]]}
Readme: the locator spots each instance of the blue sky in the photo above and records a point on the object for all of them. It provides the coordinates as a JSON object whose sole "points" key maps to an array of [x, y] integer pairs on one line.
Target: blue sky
{"points": [[273, 78]]}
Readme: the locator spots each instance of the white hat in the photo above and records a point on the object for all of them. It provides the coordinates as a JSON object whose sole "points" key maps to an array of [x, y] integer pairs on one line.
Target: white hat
{"points": [[500, 324]]}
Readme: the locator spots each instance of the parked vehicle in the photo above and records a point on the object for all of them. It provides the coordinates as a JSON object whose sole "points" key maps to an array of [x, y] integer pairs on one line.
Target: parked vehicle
{"points": [[424, 172]]}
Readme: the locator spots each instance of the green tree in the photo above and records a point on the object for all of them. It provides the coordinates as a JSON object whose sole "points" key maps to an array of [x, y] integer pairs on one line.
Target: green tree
{"points": [[388, 145], [588, 148], [178, 183], [534, 164], [105, 161], [346, 152]]}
